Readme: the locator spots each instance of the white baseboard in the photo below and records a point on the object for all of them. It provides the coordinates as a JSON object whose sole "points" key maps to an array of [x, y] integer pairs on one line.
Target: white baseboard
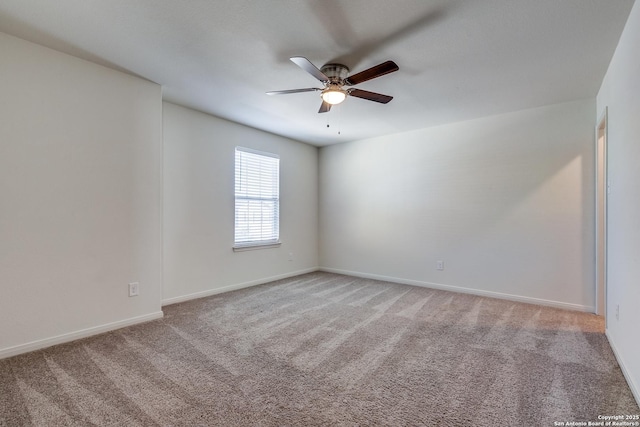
{"points": [[229, 288], [479, 292], [634, 388], [72, 336]]}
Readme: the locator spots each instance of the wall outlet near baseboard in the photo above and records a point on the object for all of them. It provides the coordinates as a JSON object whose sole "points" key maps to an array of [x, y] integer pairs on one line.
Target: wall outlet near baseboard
{"points": [[440, 265], [134, 289], [290, 256]]}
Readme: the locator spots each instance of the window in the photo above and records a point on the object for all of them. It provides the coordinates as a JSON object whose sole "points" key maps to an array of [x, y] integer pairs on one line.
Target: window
{"points": [[257, 192]]}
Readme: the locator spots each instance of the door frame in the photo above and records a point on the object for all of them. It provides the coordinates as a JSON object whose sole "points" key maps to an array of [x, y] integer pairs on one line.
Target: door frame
{"points": [[602, 190]]}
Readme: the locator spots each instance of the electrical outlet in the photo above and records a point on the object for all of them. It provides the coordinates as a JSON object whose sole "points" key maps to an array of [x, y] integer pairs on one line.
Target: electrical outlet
{"points": [[440, 265], [290, 256], [617, 311], [134, 289]]}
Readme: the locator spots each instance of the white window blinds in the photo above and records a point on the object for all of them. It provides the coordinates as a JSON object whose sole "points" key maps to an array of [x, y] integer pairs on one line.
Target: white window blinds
{"points": [[257, 198]]}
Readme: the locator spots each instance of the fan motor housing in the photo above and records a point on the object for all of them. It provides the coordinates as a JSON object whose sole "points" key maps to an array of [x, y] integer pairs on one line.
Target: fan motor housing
{"points": [[335, 72]]}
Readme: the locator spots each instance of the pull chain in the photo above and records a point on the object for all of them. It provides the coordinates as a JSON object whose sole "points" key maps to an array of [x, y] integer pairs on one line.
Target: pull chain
{"points": [[339, 113]]}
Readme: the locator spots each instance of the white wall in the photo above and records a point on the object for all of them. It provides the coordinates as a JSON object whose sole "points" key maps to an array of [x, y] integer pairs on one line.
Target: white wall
{"points": [[80, 197], [199, 206], [505, 201], [620, 93]]}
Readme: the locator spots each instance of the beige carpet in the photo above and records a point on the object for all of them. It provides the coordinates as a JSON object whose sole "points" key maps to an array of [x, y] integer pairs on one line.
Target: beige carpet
{"points": [[325, 349]]}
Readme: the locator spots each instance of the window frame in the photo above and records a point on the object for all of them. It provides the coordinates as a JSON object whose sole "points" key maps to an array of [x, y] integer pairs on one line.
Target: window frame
{"points": [[245, 245]]}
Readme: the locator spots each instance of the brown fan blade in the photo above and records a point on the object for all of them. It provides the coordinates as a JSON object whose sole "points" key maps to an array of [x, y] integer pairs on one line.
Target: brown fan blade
{"points": [[370, 96], [372, 73], [325, 107], [284, 92], [306, 65]]}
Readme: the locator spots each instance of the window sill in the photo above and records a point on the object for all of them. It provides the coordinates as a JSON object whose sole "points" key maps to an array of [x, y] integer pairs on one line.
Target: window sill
{"points": [[254, 246]]}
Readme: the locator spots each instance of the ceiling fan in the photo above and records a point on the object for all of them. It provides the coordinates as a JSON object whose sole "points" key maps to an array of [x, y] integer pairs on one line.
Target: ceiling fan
{"points": [[334, 79]]}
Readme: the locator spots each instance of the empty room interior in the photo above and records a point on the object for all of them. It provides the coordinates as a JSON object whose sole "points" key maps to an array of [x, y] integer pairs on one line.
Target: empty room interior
{"points": [[319, 212]]}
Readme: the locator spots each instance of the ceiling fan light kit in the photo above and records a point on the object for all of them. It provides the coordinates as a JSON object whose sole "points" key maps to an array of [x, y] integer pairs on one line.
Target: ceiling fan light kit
{"points": [[334, 95], [335, 76]]}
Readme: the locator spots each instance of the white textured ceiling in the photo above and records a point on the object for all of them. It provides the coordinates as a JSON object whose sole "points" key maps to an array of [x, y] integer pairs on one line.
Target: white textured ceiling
{"points": [[458, 59]]}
